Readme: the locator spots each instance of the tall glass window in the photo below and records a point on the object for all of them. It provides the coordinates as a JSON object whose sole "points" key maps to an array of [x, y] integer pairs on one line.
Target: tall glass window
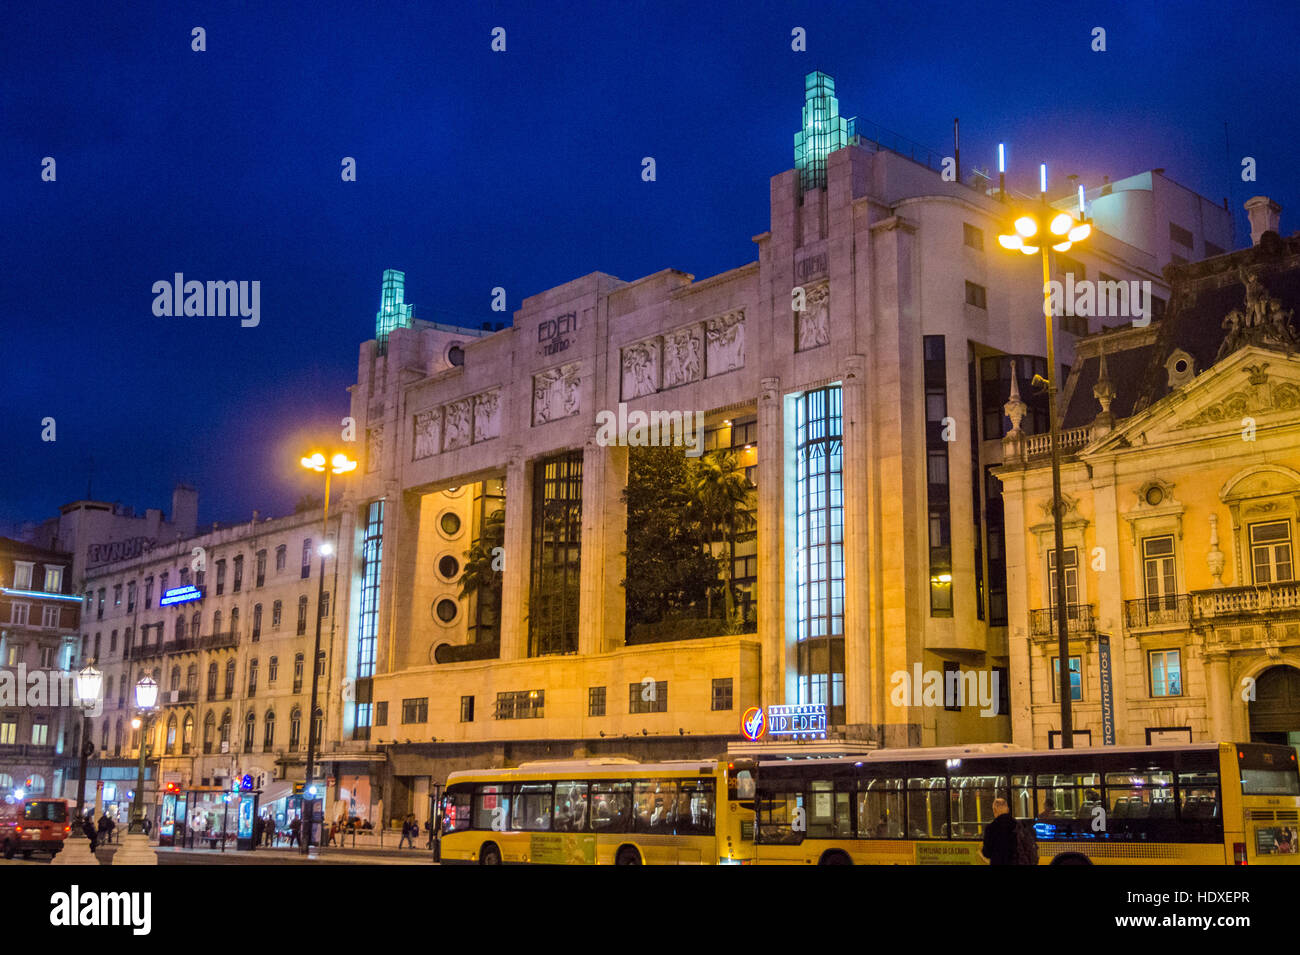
{"points": [[372, 550], [556, 555], [819, 548], [936, 449]]}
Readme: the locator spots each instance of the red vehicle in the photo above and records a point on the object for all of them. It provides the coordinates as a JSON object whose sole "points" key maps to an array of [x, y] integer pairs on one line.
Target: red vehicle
{"points": [[32, 824]]}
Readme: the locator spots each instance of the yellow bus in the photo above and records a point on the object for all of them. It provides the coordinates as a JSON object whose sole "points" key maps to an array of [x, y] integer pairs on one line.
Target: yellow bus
{"points": [[1198, 804], [600, 812]]}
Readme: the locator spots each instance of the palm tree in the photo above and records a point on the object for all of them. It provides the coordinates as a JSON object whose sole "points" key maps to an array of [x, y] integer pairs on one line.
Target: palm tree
{"points": [[481, 576], [721, 492]]}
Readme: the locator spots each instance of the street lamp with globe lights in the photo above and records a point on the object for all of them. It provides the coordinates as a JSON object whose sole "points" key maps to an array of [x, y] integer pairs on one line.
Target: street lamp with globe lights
{"points": [[1045, 229], [76, 848], [135, 849], [338, 463]]}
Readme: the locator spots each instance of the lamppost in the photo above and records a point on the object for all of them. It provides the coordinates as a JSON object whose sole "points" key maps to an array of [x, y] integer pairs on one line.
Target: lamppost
{"points": [[135, 848], [1053, 230], [76, 849], [339, 463]]}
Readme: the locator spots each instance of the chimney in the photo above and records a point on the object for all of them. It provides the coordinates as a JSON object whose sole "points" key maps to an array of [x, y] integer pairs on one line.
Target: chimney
{"points": [[1264, 216], [185, 510], [256, 515]]}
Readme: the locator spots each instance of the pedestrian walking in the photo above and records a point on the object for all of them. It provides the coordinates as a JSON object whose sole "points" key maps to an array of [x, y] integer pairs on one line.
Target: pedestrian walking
{"points": [[88, 827], [295, 831], [105, 829], [409, 831]]}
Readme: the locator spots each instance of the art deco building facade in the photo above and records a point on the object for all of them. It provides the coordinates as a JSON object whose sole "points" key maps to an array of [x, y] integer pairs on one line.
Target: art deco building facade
{"points": [[1182, 491], [858, 369]]}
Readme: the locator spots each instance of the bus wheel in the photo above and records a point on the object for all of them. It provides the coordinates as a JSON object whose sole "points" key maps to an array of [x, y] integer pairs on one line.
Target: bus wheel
{"points": [[1071, 858], [835, 858], [627, 856], [9, 850], [489, 855]]}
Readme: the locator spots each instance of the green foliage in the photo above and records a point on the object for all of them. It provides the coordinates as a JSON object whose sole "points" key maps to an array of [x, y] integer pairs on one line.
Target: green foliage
{"points": [[481, 575]]}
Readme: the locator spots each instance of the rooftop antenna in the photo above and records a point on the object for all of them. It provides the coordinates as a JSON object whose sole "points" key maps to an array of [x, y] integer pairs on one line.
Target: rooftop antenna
{"points": [[1042, 179], [1002, 171], [956, 145]]}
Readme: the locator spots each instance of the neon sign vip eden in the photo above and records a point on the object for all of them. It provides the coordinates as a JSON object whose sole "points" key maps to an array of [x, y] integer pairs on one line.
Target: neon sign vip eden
{"points": [[216, 299]]}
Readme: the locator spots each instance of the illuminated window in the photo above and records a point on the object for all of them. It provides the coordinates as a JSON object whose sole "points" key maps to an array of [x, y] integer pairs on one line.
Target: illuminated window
{"points": [[1270, 552], [556, 555], [1166, 672], [1076, 678]]}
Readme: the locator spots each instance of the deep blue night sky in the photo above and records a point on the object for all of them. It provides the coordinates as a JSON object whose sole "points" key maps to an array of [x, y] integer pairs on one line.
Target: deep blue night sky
{"points": [[478, 169]]}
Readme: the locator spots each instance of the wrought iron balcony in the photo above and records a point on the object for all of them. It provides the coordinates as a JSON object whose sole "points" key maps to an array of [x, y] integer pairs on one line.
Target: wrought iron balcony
{"points": [[143, 651], [1078, 620], [1225, 602], [219, 641], [177, 697], [1170, 610]]}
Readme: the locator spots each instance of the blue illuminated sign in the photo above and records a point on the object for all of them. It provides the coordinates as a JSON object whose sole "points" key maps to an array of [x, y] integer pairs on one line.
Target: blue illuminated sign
{"points": [[180, 595], [804, 721]]}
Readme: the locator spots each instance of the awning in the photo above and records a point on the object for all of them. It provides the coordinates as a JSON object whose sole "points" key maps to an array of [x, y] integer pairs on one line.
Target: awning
{"points": [[276, 791]]}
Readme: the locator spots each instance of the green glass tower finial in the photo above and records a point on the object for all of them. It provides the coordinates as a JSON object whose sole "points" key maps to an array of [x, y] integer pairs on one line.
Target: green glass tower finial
{"points": [[824, 130], [392, 312]]}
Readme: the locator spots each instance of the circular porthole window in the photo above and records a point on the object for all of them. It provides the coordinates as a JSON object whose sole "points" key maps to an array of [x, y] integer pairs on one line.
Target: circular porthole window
{"points": [[1180, 366], [445, 610], [456, 356], [1155, 495], [448, 567], [449, 523]]}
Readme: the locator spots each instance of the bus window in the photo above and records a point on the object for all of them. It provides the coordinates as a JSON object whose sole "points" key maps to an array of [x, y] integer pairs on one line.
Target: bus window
{"points": [[491, 807], [971, 802], [1199, 802], [1022, 797], [455, 808], [1139, 805], [1065, 804], [742, 783], [880, 809], [828, 811], [653, 804], [570, 807], [695, 807], [778, 813], [611, 805], [532, 807], [927, 807]]}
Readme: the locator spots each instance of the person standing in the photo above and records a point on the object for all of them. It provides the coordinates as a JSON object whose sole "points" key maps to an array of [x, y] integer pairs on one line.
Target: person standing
{"points": [[88, 827], [295, 831], [999, 846]]}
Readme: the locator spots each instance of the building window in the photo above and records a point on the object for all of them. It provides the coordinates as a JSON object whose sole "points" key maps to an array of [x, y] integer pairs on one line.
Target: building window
{"points": [[40, 734], [1270, 552], [302, 615], [277, 610], [415, 710], [252, 677], [23, 575], [100, 609], [976, 295], [8, 732], [54, 580], [50, 618], [595, 701], [238, 580], [647, 697], [952, 687], [299, 661], [325, 603], [372, 553], [381, 713], [1166, 673], [520, 705], [306, 558], [185, 576], [818, 539], [257, 622], [467, 709], [261, 568], [272, 670], [320, 663], [212, 681], [972, 237], [130, 597], [268, 737], [295, 728], [230, 678], [117, 595], [1076, 679], [49, 657], [1158, 572], [556, 555], [18, 613], [281, 557], [234, 620], [937, 483], [1071, 580], [722, 694], [250, 730], [221, 577]]}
